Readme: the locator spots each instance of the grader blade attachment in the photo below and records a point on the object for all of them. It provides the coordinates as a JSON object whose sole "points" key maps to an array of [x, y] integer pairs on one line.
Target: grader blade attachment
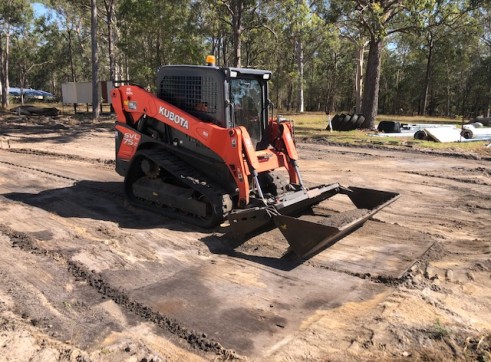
{"points": [[306, 232], [308, 235], [246, 221]]}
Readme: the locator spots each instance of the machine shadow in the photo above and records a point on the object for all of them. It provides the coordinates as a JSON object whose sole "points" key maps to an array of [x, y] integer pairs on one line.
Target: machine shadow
{"points": [[95, 200], [105, 201], [226, 244]]}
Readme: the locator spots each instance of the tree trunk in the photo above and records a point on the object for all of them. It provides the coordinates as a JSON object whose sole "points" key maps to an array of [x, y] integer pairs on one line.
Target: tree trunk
{"points": [[3, 89], [22, 83], [126, 68], [109, 18], [395, 104], [300, 66], [5, 68], [224, 52], [215, 48], [488, 108], [238, 7], [53, 84], [372, 82], [333, 87], [463, 92], [289, 97], [448, 110], [70, 54], [427, 76], [237, 49], [360, 53], [95, 60]]}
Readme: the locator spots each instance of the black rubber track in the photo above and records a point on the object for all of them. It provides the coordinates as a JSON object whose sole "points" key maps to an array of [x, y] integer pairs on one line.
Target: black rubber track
{"points": [[218, 201]]}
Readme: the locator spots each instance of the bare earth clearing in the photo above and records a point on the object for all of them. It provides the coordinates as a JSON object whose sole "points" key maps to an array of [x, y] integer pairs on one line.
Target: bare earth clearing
{"points": [[84, 276]]}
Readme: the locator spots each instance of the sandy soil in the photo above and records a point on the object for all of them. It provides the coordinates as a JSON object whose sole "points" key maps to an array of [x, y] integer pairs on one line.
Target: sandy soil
{"points": [[84, 276]]}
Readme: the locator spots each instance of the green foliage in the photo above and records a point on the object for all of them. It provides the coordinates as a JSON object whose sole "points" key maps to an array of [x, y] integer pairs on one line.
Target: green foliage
{"points": [[154, 33], [14, 13], [48, 51]]}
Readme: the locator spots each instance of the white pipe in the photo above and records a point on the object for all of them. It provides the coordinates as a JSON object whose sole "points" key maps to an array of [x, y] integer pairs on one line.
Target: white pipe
{"points": [[482, 133]]}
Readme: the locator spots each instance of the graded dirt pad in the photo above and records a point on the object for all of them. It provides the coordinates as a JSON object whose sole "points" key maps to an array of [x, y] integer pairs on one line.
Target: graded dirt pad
{"points": [[85, 276]]}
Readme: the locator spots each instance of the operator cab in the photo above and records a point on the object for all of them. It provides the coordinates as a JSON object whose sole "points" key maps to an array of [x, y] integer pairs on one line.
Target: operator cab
{"points": [[227, 97], [248, 98]]}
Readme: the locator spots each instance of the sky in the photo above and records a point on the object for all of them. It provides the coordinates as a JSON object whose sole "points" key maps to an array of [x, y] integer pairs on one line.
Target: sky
{"points": [[39, 9]]}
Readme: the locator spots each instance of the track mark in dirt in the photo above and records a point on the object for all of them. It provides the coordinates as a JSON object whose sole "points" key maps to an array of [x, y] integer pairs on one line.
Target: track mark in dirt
{"points": [[28, 151], [434, 252], [310, 147], [38, 170], [378, 147], [467, 176], [476, 170], [379, 279], [100, 187], [195, 339]]}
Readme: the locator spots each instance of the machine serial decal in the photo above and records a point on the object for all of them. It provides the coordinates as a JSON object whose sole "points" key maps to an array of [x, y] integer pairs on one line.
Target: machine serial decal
{"points": [[131, 139], [174, 117]]}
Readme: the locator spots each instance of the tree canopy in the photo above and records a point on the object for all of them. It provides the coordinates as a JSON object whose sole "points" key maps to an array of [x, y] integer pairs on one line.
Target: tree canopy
{"points": [[373, 56]]}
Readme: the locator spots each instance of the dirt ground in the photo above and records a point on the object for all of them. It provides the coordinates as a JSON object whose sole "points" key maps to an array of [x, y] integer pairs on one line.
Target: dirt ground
{"points": [[84, 276]]}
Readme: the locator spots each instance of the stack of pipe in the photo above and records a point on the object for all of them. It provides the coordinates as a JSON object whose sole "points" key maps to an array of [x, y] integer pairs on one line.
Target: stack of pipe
{"points": [[476, 131], [421, 135]]}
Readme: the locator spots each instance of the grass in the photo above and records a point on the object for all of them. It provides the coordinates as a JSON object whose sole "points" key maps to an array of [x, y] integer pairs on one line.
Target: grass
{"points": [[439, 331], [313, 126], [105, 351]]}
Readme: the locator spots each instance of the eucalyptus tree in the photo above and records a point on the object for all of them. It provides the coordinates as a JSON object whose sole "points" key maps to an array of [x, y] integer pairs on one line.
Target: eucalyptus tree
{"points": [[94, 59], [442, 21], [74, 25], [485, 21], [329, 75], [478, 100], [302, 32], [13, 13], [240, 18], [25, 51], [379, 19], [403, 64], [153, 33], [456, 57], [51, 53], [233, 14], [338, 16], [112, 31], [484, 12], [373, 21], [298, 18]]}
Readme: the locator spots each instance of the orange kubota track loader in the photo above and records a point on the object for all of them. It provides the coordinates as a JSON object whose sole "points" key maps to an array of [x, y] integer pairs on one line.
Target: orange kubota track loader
{"points": [[205, 148]]}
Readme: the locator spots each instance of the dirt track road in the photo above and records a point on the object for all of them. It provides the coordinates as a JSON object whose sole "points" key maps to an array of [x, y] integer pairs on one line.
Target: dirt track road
{"points": [[85, 275]]}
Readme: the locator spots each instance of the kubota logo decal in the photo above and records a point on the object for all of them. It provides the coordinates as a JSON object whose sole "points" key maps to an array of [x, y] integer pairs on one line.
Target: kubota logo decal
{"points": [[171, 116]]}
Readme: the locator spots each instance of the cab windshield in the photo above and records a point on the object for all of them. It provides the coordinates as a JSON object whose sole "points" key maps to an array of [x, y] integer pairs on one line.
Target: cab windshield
{"points": [[246, 97]]}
